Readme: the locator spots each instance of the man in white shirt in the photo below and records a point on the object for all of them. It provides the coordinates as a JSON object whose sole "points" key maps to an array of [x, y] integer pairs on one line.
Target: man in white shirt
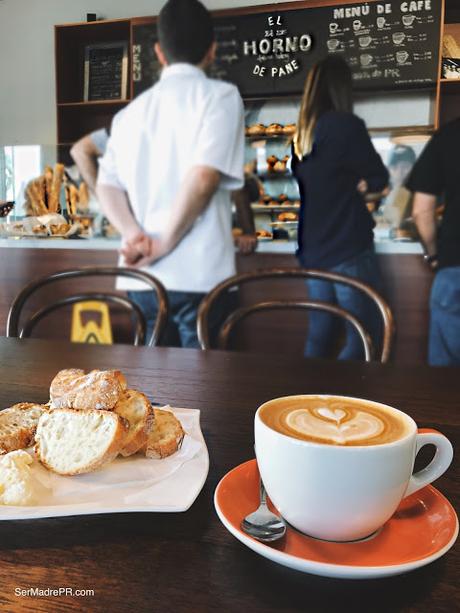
{"points": [[173, 158]]}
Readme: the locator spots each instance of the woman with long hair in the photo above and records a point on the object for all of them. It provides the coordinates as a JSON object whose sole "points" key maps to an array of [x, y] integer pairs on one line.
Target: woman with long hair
{"points": [[335, 165]]}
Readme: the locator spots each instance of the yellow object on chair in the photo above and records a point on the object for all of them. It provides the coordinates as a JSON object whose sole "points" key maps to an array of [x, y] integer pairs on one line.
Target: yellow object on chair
{"points": [[96, 329]]}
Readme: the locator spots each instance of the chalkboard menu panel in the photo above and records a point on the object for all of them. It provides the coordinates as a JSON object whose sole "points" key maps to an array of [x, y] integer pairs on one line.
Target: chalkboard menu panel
{"points": [[106, 71], [146, 67], [388, 45]]}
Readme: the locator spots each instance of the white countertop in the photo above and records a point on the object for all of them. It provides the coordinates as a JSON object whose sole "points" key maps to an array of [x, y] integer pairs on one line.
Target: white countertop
{"points": [[111, 244]]}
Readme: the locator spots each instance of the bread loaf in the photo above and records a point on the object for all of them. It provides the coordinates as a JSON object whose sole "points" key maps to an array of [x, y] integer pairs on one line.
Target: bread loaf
{"points": [[72, 442], [99, 389], [18, 425], [137, 410], [166, 435]]}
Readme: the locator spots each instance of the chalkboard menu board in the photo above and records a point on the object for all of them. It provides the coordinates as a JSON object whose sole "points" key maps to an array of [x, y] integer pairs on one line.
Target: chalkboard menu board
{"points": [[388, 45], [146, 67], [106, 71]]}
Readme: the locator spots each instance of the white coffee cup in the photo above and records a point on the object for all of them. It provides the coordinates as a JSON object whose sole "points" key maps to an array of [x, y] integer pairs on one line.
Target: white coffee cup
{"points": [[338, 492]]}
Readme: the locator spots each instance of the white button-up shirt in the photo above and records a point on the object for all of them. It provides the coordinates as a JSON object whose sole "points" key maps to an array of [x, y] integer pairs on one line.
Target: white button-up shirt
{"points": [[185, 120]]}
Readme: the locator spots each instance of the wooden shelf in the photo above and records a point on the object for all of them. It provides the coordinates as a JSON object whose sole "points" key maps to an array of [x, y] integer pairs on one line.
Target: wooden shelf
{"points": [[93, 103], [449, 81]]}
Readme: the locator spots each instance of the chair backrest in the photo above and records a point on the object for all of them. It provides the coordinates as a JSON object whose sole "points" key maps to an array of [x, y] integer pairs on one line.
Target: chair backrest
{"points": [[13, 328], [289, 273]]}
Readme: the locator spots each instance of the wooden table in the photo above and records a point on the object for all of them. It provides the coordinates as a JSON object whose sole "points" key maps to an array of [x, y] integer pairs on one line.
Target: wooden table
{"points": [[188, 561]]}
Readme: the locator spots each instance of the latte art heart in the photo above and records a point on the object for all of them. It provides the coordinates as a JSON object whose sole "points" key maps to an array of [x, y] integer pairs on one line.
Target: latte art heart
{"points": [[335, 420], [332, 414], [335, 425]]}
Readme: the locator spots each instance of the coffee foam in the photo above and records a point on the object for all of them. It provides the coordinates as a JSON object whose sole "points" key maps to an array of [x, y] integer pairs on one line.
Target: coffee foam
{"points": [[334, 420]]}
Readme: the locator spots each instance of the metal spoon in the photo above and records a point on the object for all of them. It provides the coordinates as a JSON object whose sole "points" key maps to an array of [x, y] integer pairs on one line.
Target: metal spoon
{"points": [[263, 525]]}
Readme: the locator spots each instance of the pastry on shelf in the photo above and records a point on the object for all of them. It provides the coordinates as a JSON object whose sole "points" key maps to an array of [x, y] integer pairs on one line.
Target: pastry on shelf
{"points": [[250, 167], [274, 128], [286, 203], [266, 199], [290, 128], [282, 197], [255, 129], [264, 234], [272, 160], [279, 166], [288, 216], [273, 203], [296, 203]]}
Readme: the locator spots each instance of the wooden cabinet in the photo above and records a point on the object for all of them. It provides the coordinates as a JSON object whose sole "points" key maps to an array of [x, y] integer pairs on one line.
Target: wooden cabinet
{"points": [[75, 117], [448, 107]]}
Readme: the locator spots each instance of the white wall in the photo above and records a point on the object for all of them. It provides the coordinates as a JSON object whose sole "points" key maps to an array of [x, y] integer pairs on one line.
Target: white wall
{"points": [[27, 90]]}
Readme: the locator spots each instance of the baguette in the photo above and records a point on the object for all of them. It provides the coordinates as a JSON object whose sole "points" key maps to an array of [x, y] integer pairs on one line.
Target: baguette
{"points": [[137, 410], [18, 425], [166, 435], [83, 197], [99, 389], [54, 195], [48, 183], [72, 442]]}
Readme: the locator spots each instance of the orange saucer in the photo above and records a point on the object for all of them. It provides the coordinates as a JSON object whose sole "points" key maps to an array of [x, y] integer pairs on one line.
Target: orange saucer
{"points": [[423, 528]]}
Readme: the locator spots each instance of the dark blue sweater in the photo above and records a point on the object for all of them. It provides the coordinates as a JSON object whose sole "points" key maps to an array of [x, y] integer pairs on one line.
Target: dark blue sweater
{"points": [[334, 223]]}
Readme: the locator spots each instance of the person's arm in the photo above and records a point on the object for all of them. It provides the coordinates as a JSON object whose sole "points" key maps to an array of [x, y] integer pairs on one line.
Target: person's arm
{"points": [[114, 204], [362, 158], [426, 182], [85, 155], [246, 242], [424, 215]]}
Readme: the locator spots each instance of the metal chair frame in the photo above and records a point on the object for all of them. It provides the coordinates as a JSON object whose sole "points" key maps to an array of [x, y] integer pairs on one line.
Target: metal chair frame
{"points": [[12, 326], [290, 273]]}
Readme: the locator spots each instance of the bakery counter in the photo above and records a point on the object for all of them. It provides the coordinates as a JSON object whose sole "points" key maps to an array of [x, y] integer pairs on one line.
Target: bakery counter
{"points": [[381, 246], [67, 244], [407, 282], [111, 244]]}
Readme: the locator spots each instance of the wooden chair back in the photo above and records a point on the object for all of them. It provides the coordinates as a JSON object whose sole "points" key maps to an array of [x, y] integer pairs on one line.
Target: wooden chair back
{"points": [[14, 329], [288, 273]]}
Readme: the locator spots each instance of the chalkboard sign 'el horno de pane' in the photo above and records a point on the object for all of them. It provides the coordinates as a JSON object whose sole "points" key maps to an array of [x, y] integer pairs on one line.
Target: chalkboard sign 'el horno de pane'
{"points": [[393, 44], [106, 71]]}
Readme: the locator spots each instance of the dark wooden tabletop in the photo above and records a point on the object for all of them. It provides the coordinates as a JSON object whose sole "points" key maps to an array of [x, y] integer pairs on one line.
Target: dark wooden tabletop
{"points": [[188, 561]]}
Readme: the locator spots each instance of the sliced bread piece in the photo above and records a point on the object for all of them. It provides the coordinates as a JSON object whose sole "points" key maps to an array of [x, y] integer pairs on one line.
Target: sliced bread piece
{"points": [[72, 442], [137, 410], [166, 435], [18, 425], [99, 389]]}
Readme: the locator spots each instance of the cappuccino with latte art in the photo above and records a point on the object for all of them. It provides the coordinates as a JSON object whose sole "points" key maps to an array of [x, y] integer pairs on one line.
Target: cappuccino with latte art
{"points": [[336, 468], [333, 420]]}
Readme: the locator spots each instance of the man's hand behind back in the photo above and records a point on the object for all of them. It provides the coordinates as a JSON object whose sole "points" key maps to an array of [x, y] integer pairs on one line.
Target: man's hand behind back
{"points": [[142, 250]]}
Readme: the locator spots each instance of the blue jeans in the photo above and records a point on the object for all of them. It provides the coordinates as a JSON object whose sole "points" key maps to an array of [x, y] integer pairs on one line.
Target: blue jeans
{"points": [[444, 335], [180, 329], [324, 329]]}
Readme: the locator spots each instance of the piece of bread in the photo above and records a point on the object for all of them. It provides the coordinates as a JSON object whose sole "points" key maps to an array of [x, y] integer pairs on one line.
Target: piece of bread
{"points": [[99, 389], [255, 129], [18, 425], [288, 216], [274, 128], [280, 166], [166, 435], [290, 128], [72, 442], [138, 412]]}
